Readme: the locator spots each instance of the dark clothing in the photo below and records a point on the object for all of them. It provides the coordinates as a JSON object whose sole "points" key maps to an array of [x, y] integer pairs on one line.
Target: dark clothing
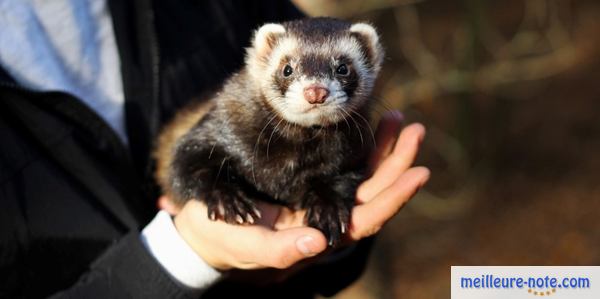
{"points": [[73, 197]]}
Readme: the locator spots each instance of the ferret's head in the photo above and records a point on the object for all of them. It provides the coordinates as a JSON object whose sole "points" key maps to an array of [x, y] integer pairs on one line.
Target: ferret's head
{"points": [[315, 72]]}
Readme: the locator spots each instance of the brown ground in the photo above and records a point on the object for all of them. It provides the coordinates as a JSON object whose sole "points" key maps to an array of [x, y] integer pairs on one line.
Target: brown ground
{"points": [[536, 202], [524, 191]]}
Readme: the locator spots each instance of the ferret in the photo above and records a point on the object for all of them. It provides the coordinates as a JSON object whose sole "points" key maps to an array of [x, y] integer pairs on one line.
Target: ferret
{"points": [[291, 127]]}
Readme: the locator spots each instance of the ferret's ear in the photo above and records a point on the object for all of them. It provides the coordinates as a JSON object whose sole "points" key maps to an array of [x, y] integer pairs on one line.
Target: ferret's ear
{"points": [[265, 38], [369, 39]]}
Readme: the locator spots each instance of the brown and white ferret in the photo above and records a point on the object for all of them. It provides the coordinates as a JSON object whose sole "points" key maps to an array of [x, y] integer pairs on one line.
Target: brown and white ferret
{"points": [[290, 127]]}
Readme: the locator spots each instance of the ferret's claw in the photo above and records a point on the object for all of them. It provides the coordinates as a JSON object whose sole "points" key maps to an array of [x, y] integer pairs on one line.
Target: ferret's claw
{"points": [[249, 218], [231, 206], [331, 218]]}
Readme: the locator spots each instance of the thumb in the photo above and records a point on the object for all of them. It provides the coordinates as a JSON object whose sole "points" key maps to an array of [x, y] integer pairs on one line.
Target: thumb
{"points": [[283, 248]]}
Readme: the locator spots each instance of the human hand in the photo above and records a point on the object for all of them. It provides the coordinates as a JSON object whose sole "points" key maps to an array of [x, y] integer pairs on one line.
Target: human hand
{"points": [[393, 181], [277, 240], [280, 239]]}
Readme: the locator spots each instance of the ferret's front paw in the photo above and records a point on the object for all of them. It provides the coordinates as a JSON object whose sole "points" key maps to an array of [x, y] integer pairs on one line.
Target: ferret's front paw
{"points": [[232, 206], [331, 217]]}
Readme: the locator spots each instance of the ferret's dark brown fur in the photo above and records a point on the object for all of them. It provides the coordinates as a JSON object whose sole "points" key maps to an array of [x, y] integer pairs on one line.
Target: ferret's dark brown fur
{"points": [[259, 138]]}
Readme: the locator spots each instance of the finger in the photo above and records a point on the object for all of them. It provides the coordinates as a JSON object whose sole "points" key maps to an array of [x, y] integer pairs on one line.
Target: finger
{"points": [[387, 130], [284, 248], [289, 218], [225, 246], [368, 218], [279, 217], [402, 157], [269, 213]]}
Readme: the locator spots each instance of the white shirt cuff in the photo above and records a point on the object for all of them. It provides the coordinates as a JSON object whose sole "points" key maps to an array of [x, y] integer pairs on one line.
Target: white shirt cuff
{"points": [[166, 245]]}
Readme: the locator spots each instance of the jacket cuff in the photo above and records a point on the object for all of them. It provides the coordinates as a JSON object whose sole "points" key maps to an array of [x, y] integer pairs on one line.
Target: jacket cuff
{"points": [[163, 241]]}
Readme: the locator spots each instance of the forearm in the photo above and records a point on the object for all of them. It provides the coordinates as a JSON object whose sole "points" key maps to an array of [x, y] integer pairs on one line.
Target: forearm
{"points": [[154, 264], [126, 270]]}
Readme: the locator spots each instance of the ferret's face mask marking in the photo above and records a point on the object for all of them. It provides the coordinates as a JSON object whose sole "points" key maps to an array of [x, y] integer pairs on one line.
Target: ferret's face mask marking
{"points": [[318, 79]]}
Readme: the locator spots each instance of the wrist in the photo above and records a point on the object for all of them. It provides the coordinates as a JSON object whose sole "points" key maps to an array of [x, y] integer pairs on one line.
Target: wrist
{"points": [[185, 227], [174, 254]]}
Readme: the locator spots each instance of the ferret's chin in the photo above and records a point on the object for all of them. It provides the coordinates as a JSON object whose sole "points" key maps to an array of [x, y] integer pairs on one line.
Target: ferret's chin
{"points": [[321, 116]]}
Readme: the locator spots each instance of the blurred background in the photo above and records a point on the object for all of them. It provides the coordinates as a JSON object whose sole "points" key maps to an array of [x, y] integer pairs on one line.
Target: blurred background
{"points": [[510, 93]]}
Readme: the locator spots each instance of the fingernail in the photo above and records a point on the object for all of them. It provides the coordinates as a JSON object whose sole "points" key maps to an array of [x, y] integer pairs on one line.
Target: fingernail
{"points": [[257, 212], [425, 179], [421, 138], [304, 245]]}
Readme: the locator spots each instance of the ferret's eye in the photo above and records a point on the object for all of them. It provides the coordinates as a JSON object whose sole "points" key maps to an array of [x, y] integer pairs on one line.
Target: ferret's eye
{"points": [[342, 70], [287, 70]]}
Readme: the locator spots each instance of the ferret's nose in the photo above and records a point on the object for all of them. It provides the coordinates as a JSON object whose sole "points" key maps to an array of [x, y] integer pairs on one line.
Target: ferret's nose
{"points": [[315, 94]]}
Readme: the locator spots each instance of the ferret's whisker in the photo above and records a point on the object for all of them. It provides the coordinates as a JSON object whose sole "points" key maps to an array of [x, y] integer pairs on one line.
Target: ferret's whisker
{"points": [[362, 141], [383, 105], [381, 101], [211, 150], [219, 172], [344, 117], [337, 122], [270, 137], [256, 146], [228, 172], [368, 126]]}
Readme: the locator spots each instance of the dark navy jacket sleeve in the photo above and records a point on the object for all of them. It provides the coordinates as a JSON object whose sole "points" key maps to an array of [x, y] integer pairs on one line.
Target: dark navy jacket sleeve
{"points": [[73, 198]]}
